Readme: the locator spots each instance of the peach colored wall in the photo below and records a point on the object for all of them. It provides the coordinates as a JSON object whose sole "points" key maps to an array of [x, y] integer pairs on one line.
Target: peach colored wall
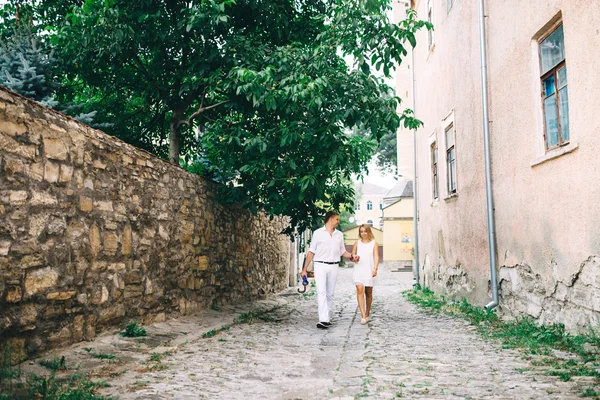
{"points": [[546, 209]]}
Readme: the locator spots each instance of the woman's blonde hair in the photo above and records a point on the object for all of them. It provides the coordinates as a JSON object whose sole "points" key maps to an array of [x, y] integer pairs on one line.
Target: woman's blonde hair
{"points": [[368, 230]]}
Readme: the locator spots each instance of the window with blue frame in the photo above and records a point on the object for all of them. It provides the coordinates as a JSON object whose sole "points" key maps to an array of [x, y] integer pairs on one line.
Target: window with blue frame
{"points": [[555, 94]]}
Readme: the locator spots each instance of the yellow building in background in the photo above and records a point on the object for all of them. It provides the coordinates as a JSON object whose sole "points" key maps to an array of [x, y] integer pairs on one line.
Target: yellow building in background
{"points": [[351, 236], [398, 221]]}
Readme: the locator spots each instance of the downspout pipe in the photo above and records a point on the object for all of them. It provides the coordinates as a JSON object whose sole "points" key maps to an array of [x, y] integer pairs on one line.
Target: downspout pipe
{"points": [[416, 271], [486, 155]]}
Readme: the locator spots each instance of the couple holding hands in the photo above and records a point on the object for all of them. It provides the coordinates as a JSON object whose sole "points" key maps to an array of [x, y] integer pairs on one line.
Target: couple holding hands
{"points": [[326, 248]]}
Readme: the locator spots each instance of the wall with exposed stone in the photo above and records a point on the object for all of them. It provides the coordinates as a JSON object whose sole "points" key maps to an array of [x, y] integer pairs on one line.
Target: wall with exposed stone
{"points": [[94, 232]]}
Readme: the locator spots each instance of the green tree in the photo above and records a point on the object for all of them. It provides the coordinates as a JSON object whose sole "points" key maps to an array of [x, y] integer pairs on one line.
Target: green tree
{"points": [[258, 92], [387, 156]]}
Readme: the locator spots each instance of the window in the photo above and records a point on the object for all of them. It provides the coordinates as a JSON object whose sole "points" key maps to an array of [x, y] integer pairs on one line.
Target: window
{"points": [[434, 170], [357, 206], [370, 222], [369, 205], [430, 20], [450, 159], [381, 205], [381, 224], [555, 95]]}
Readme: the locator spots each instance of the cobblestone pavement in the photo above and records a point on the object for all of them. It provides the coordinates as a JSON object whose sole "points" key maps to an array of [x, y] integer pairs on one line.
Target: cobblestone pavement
{"points": [[402, 352]]}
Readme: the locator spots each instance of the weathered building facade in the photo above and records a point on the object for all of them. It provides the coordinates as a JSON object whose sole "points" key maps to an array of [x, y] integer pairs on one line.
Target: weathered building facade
{"points": [[94, 232], [544, 141]]}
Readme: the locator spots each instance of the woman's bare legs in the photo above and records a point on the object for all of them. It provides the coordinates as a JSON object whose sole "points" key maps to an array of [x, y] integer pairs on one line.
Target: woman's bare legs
{"points": [[360, 296], [369, 294]]}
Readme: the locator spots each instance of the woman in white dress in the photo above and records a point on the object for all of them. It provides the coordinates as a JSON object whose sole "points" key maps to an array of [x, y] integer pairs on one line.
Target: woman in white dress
{"points": [[365, 269]]}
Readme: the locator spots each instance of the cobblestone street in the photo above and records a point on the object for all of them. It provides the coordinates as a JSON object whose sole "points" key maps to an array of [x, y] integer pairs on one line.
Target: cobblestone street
{"points": [[402, 352]]}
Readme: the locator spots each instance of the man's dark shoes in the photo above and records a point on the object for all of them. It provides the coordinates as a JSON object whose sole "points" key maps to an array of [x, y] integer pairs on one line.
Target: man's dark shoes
{"points": [[327, 324], [323, 325]]}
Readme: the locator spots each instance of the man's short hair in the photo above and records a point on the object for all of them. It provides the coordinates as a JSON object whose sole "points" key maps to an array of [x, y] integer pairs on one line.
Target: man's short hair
{"points": [[329, 215]]}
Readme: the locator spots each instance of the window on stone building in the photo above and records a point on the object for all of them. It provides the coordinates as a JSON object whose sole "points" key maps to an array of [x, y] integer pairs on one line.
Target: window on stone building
{"points": [[380, 223], [370, 222], [430, 38], [434, 170], [450, 159], [357, 206], [555, 95], [381, 205], [369, 205]]}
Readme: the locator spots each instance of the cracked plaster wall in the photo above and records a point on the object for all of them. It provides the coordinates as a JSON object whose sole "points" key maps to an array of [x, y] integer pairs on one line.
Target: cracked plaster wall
{"points": [[573, 300]]}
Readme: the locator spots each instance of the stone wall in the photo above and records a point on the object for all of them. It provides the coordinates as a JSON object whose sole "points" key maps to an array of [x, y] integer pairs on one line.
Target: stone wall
{"points": [[94, 232]]}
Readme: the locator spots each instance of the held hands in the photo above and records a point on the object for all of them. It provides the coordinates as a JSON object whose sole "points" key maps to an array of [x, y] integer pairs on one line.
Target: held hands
{"points": [[354, 257]]}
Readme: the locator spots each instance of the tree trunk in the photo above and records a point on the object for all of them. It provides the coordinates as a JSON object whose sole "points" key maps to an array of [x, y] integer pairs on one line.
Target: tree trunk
{"points": [[175, 136]]}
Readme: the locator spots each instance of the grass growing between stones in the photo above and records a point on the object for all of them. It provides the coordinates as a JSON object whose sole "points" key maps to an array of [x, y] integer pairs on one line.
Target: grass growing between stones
{"points": [[17, 385], [564, 354], [270, 315], [55, 364]]}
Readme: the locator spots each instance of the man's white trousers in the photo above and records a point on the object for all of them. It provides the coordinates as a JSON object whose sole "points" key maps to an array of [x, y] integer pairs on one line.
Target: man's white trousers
{"points": [[325, 278]]}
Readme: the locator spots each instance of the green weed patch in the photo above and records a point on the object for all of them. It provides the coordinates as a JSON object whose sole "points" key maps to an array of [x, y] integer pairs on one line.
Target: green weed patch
{"points": [[524, 334], [133, 330], [270, 315], [16, 385]]}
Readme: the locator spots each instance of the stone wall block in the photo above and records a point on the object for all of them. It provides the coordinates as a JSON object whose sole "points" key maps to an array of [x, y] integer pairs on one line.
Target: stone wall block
{"points": [[147, 287], [9, 145], [62, 337], [51, 171], [40, 280], [36, 171], [56, 226], [14, 294], [60, 296], [4, 247], [90, 327], [12, 128], [126, 241], [203, 263], [85, 204], [55, 149], [78, 327], [66, 174], [99, 164], [94, 240], [14, 166], [44, 199], [104, 206], [111, 243], [18, 197], [133, 291], [28, 315]]}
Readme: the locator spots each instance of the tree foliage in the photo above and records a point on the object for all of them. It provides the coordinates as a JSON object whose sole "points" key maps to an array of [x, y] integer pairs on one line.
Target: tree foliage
{"points": [[257, 94]]}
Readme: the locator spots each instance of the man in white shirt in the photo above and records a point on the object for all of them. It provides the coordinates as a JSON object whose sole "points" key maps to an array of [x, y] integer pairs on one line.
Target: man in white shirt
{"points": [[326, 248]]}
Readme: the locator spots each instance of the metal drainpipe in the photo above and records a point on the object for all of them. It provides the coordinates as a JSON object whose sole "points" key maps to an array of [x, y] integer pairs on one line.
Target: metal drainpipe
{"points": [[415, 196], [486, 155]]}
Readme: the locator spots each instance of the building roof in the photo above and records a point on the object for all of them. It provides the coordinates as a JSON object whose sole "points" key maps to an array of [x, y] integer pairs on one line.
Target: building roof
{"points": [[372, 189], [403, 189]]}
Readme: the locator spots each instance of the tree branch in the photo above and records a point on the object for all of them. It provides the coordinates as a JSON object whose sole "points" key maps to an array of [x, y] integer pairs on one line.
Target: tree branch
{"points": [[200, 110]]}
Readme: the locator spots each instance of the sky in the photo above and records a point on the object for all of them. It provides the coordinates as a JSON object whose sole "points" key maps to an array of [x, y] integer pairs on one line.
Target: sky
{"points": [[378, 178]]}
